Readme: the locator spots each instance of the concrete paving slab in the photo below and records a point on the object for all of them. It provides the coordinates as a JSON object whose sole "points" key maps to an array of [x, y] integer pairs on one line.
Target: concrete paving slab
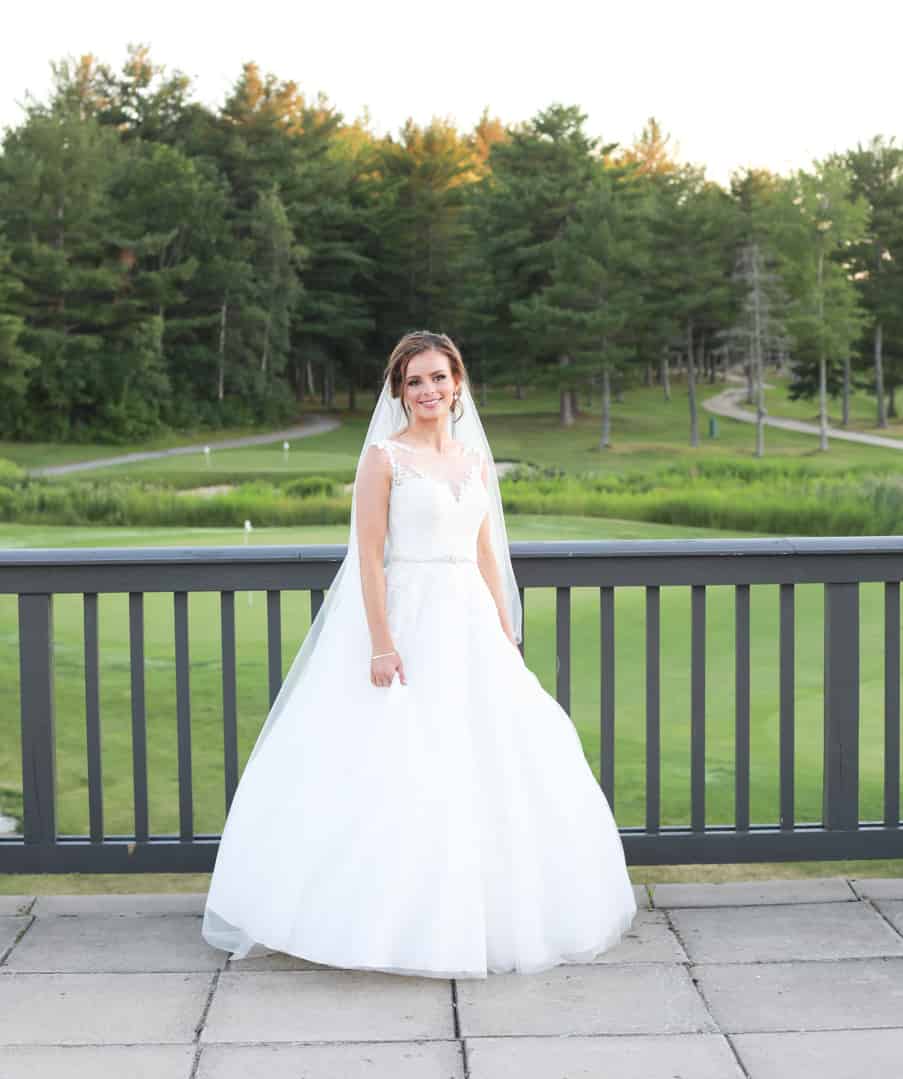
{"points": [[139, 903], [664, 1056], [97, 1062], [841, 994], [752, 892], [118, 942], [596, 998], [892, 909], [878, 887], [15, 904], [649, 940], [101, 1009], [365, 1060], [274, 961], [641, 895], [791, 931], [332, 1006], [10, 928], [829, 1054]]}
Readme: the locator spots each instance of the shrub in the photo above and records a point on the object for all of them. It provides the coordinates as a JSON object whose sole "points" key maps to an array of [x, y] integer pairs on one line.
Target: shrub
{"points": [[305, 486], [10, 472]]}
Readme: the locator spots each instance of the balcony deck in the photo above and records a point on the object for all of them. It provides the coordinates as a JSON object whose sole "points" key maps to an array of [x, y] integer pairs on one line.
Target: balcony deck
{"points": [[758, 979]]}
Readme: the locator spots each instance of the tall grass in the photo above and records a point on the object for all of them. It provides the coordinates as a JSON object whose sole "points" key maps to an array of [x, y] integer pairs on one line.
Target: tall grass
{"points": [[784, 498]]}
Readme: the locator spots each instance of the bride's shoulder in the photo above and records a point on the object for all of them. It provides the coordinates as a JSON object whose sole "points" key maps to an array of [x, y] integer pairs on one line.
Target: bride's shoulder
{"points": [[379, 456]]}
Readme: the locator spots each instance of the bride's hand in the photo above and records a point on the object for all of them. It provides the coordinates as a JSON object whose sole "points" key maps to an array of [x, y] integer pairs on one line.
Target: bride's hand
{"points": [[382, 670]]}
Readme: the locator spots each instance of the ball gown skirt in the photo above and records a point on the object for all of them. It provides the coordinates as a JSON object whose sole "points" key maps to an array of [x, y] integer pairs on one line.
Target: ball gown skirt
{"points": [[449, 827]]}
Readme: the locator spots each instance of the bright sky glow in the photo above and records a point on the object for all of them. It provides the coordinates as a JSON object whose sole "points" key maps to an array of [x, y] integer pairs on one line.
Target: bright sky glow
{"points": [[774, 83]]}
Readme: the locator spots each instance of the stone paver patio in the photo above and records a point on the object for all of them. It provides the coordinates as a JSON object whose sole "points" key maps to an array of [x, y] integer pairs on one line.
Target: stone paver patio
{"points": [[764, 980]]}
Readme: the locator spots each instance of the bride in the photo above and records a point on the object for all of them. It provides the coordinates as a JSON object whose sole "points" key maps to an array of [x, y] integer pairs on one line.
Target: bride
{"points": [[416, 803]]}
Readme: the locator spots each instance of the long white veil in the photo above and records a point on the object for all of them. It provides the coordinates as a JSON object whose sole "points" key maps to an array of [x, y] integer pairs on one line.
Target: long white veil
{"points": [[344, 598]]}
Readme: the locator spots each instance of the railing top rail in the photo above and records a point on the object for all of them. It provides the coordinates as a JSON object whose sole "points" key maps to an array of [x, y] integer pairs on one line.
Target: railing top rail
{"points": [[807, 546]]}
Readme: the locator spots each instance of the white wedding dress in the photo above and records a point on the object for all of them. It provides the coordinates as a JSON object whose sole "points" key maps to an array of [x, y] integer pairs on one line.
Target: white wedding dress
{"points": [[449, 827]]}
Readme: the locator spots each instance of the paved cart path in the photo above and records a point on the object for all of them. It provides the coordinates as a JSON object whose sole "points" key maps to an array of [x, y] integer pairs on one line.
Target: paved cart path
{"points": [[315, 425], [726, 404]]}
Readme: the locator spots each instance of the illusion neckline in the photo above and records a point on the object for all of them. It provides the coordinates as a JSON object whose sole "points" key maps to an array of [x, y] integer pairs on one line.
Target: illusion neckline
{"points": [[422, 449]]}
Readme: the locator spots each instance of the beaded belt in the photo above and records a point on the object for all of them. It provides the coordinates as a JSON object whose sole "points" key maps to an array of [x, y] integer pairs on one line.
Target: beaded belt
{"points": [[434, 558]]}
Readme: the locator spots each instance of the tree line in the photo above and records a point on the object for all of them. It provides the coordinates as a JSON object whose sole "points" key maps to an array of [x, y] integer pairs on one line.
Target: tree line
{"points": [[165, 264]]}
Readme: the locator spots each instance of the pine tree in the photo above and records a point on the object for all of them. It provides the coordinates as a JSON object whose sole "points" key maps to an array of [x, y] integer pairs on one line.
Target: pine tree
{"points": [[15, 362], [538, 176], [825, 315], [877, 175], [589, 305]]}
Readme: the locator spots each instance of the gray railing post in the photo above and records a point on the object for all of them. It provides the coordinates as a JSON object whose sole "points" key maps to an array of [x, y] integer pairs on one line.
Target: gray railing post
{"points": [[37, 718], [841, 705]]}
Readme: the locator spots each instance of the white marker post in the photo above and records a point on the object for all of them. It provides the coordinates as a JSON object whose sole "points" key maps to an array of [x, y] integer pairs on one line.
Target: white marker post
{"points": [[207, 455], [285, 449]]}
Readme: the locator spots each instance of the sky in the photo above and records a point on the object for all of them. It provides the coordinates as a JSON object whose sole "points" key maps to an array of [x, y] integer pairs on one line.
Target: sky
{"points": [[773, 84]]}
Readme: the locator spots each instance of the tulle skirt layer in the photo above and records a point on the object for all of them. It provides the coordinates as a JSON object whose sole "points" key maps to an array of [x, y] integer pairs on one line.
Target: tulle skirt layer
{"points": [[448, 827]]}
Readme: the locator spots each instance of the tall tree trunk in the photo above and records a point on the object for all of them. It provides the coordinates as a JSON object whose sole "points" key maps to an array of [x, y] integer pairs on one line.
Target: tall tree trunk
{"points": [[691, 387], [311, 388], [822, 401], [845, 420], [266, 345], [221, 364], [822, 363], [605, 438], [565, 397], [329, 383], [756, 360], [879, 375], [520, 390], [665, 375], [760, 401]]}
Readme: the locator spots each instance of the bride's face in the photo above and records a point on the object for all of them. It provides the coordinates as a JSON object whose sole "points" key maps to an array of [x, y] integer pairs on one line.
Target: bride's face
{"points": [[429, 386]]}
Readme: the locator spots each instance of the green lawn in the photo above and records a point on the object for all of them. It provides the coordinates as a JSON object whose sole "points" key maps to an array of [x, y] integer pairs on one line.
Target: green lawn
{"points": [[39, 454], [647, 433]]}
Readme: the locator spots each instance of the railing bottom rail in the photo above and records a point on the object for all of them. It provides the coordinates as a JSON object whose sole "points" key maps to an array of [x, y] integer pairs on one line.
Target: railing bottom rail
{"points": [[673, 845]]}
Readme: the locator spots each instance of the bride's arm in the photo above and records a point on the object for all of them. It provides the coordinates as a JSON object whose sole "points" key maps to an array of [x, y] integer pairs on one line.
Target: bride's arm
{"points": [[372, 515], [489, 566]]}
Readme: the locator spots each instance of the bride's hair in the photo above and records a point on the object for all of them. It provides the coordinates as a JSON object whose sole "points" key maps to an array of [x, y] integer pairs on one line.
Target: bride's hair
{"points": [[412, 344]]}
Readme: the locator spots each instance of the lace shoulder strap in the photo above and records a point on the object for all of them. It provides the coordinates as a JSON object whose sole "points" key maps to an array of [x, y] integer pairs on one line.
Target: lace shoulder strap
{"points": [[385, 444]]}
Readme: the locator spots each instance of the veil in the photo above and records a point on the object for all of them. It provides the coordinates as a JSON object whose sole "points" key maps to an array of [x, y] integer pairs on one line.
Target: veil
{"points": [[344, 597]]}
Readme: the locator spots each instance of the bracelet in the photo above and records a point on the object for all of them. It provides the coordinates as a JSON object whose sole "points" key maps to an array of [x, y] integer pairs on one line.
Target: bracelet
{"points": [[381, 654]]}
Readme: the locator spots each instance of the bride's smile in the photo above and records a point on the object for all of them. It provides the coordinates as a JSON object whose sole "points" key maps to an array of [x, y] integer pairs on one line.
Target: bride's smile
{"points": [[428, 398]]}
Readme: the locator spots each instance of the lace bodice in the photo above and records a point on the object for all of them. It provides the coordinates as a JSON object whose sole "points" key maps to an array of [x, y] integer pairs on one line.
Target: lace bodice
{"points": [[436, 505]]}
